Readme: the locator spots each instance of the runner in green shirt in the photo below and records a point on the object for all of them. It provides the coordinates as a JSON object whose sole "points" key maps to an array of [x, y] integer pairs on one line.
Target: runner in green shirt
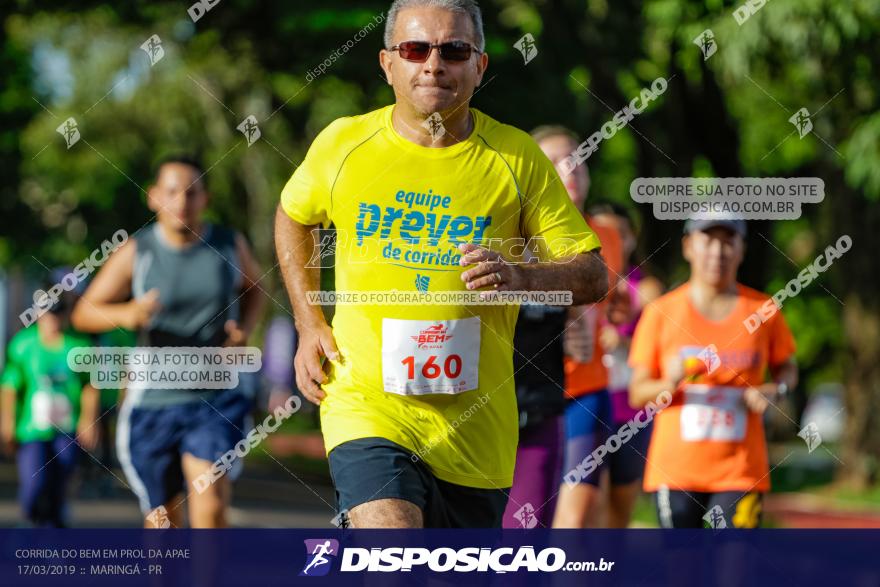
{"points": [[47, 410]]}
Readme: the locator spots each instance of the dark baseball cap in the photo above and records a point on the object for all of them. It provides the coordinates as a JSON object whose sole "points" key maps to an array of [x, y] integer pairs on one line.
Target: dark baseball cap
{"points": [[736, 225]]}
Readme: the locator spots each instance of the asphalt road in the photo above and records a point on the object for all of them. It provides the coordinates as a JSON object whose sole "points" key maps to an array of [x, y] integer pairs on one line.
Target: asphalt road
{"points": [[269, 494]]}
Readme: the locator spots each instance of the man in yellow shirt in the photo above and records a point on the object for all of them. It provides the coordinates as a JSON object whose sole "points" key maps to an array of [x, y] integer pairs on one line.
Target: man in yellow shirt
{"points": [[418, 409]]}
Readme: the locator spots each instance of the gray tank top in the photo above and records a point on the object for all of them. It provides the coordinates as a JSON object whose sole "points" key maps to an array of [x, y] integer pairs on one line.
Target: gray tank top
{"points": [[198, 290]]}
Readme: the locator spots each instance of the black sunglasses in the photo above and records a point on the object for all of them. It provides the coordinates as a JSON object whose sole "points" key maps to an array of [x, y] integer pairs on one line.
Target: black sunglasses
{"points": [[419, 51]]}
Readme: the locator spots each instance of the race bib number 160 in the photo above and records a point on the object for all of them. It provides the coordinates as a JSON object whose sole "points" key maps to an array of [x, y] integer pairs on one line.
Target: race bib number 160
{"points": [[430, 356]]}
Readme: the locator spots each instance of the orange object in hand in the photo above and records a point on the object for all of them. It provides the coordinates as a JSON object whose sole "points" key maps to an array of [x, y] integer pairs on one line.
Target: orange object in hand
{"points": [[694, 367]]}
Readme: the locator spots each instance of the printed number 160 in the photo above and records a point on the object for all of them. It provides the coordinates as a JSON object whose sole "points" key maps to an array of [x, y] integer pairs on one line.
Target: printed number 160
{"points": [[431, 370]]}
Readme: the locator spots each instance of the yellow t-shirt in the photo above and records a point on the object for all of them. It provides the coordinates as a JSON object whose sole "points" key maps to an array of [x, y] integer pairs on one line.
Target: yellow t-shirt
{"points": [[436, 379]]}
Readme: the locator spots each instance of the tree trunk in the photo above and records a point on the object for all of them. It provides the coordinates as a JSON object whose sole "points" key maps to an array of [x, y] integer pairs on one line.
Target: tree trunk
{"points": [[861, 441], [859, 218]]}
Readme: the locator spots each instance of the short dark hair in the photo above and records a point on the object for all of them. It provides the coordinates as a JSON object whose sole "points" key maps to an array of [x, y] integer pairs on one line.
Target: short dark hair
{"points": [[183, 159], [469, 7]]}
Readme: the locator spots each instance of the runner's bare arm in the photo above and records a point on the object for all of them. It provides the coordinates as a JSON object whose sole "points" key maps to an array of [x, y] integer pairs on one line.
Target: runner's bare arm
{"points": [[643, 388], [253, 299], [87, 430], [786, 373], [294, 245], [584, 275], [759, 398], [7, 419], [104, 307]]}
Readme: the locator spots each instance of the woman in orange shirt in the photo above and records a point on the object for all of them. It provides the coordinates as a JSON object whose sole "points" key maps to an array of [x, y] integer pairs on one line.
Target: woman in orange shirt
{"points": [[707, 461]]}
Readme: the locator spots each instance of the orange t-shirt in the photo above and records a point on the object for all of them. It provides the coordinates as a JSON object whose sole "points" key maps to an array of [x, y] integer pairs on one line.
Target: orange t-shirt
{"points": [[592, 375], [706, 439]]}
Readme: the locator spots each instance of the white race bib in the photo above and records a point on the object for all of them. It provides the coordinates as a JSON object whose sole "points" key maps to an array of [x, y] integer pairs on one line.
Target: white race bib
{"points": [[50, 410], [713, 413], [583, 328], [430, 356], [619, 373]]}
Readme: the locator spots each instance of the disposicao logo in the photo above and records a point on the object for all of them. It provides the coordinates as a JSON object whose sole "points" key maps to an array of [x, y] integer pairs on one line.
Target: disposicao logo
{"points": [[320, 553]]}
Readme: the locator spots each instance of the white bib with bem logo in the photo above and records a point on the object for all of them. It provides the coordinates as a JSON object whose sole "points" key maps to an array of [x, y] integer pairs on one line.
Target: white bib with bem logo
{"points": [[712, 412], [430, 356]]}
